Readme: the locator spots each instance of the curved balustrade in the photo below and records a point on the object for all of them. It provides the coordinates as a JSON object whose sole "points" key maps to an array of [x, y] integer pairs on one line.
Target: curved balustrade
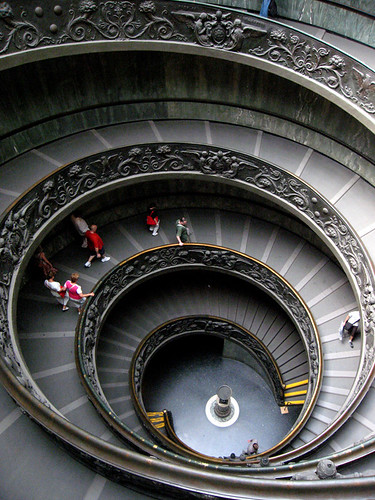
{"points": [[351, 18], [25, 223], [150, 264], [261, 42], [205, 325], [299, 57]]}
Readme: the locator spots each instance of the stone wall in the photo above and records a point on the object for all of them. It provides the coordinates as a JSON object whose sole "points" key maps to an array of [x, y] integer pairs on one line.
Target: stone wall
{"points": [[50, 99]]}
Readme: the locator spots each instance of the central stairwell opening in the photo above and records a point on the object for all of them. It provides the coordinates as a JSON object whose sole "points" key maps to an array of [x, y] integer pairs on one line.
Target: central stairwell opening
{"points": [[186, 371]]}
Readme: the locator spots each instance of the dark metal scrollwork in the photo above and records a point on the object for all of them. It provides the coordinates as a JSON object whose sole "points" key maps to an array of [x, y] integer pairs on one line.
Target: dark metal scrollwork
{"points": [[320, 63], [32, 214], [92, 20], [218, 29], [210, 326], [291, 50], [220, 162], [151, 262], [19, 34], [120, 20]]}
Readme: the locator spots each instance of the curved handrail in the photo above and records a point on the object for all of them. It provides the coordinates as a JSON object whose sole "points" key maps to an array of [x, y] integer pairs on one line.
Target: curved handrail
{"points": [[105, 169], [220, 327], [30, 217], [168, 24], [171, 433], [151, 263], [192, 325]]}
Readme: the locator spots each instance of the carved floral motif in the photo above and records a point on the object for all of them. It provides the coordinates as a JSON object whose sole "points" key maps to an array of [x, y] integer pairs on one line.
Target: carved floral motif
{"points": [[222, 163], [317, 62], [365, 82], [19, 34], [118, 19], [89, 20], [38, 207], [284, 186], [120, 278]]}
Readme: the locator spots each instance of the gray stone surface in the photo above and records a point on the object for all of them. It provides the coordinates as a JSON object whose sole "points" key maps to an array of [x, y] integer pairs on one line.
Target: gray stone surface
{"points": [[333, 18], [358, 205], [101, 84], [181, 131], [127, 134], [18, 175], [241, 138], [24, 442], [73, 147], [282, 152], [329, 174]]}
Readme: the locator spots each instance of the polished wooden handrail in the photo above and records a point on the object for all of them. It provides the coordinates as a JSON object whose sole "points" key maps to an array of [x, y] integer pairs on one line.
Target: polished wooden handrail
{"points": [[36, 201], [169, 258]]}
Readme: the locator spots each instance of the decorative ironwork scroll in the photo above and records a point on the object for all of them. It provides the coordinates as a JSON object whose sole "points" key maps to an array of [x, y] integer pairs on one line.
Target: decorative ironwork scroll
{"points": [[322, 64], [24, 224], [208, 326], [205, 325], [24, 28], [152, 262]]}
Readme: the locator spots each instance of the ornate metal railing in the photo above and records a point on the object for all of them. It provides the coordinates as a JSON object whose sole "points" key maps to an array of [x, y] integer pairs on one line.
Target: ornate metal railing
{"points": [[353, 19], [152, 263], [262, 42], [31, 217], [207, 325], [211, 326]]}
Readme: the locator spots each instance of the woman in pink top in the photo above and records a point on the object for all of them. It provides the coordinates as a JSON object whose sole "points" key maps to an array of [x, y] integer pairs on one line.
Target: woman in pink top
{"points": [[75, 292]]}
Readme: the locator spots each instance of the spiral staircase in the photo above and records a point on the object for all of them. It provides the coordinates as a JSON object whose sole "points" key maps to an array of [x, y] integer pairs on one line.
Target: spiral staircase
{"points": [[261, 136]]}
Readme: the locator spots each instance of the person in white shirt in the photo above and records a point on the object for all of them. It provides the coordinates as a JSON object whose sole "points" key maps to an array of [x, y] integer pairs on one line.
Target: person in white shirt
{"points": [[57, 291], [351, 325], [81, 228]]}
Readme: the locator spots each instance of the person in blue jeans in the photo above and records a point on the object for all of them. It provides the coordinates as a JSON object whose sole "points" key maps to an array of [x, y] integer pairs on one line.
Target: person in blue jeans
{"points": [[264, 8], [268, 8]]}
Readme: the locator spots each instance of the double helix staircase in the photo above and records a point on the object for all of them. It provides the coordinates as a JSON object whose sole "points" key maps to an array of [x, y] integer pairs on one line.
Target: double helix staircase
{"points": [[33, 465], [325, 288], [47, 334]]}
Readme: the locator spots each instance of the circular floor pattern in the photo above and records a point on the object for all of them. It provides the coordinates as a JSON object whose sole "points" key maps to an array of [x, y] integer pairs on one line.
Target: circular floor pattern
{"points": [[224, 421], [183, 386]]}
